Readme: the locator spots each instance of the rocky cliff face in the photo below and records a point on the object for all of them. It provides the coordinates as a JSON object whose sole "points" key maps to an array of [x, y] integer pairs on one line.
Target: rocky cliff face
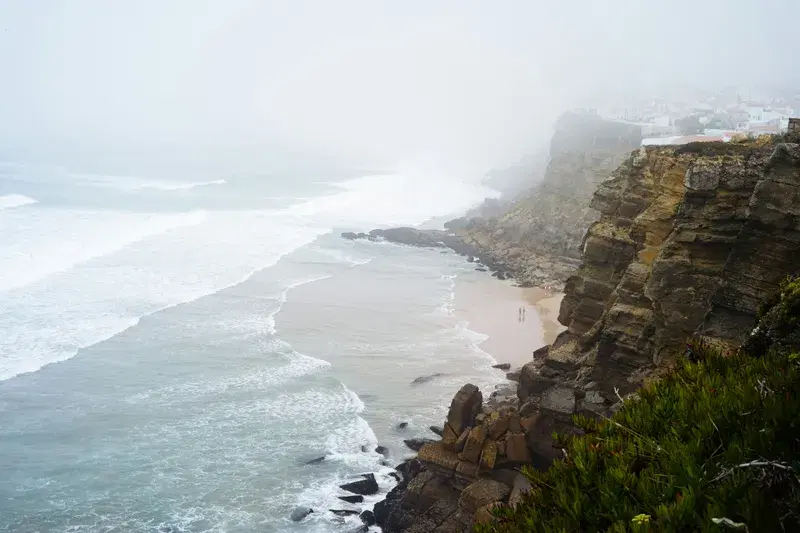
{"points": [[688, 240], [538, 237]]}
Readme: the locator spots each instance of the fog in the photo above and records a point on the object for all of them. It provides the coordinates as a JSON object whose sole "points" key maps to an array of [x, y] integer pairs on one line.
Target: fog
{"points": [[451, 86]]}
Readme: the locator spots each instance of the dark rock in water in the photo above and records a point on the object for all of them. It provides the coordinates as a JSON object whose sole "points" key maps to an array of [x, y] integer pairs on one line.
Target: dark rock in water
{"points": [[300, 512], [365, 486], [316, 461], [167, 529], [409, 469], [385, 507], [513, 376], [368, 517], [437, 430], [470, 259], [402, 425], [499, 274], [343, 512], [503, 366], [481, 269], [349, 235], [352, 499], [363, 236], [417, 444], [383, 450], [397, 476], [425, 379], [365, 448]]}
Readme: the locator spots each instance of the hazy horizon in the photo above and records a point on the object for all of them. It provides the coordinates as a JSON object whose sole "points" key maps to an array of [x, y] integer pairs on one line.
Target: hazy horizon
{"points": [[446, 87]]}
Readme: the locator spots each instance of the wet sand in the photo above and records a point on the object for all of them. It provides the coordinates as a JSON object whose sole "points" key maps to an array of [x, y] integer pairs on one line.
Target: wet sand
{"points": [[492, 308]]}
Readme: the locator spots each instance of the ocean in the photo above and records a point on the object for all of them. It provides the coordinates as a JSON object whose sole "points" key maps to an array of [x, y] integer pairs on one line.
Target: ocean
{"points": [[174, 352]]}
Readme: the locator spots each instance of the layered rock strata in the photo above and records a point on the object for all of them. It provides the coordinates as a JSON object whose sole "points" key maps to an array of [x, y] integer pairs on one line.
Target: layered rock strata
{"points": [[690, 239]]}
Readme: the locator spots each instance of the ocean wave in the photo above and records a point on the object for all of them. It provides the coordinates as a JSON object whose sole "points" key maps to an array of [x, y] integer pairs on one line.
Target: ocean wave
{"points": [[270, 320], [176, 186], [64, 239], [351, 446], [168, 269], [295, 365], [15, 200], [408, 198]]}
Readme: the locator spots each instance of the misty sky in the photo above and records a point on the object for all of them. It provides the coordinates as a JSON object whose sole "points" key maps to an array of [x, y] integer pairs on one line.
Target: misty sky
{"points": [[447, 84]]}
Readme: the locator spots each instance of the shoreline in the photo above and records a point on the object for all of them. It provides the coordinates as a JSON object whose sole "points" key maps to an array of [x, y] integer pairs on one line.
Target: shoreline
{"points": [[491, 307]]}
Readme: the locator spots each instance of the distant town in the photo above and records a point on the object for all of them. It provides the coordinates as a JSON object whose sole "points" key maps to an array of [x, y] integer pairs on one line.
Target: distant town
{"points": [[726, 115]]}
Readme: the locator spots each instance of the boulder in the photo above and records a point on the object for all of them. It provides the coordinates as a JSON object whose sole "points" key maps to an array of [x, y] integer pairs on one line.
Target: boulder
{"points": [[473, 445], [368, 517], [468, 469], [409, 469], [521, 486], [517, 448], [437, 430], [435, 453], [426, 379], [352, 499], [343, 512], [484, 514], [383, 450], [480, 493], [417, 444], [349, 235], [365, 487], [489, 454], [402, 425], [497, 427], [315, 461], [462, 439], [464, 408], [449, 436], [502, 366], [300, 512]]}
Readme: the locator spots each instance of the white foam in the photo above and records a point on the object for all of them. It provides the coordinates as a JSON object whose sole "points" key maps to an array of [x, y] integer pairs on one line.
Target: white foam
{"points": [[342, 257], [175, 186], [293, 365], [138, 183], [45, 243], [15, 200], [344, 447], [392, 199], [270, 320], [51, 319], [447, 308]]}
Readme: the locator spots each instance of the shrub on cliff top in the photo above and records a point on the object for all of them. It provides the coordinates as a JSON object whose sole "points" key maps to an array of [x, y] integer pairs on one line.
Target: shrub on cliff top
{"points": [[779, 321], [713, 446]]}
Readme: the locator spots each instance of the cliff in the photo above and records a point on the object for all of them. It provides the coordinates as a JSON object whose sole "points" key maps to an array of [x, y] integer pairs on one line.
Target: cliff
{"points": [[538, 237], [688, 241]]}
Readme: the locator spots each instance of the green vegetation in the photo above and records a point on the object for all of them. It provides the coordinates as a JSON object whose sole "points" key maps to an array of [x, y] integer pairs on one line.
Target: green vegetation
{"points": [[713, 446]]}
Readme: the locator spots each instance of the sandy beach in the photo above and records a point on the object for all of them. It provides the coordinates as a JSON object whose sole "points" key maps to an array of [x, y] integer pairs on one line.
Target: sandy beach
{"points": [[492, 307]]}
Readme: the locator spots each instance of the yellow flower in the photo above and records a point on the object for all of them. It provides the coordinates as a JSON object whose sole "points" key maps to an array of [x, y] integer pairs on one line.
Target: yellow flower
{"points": [[641, 519]]}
